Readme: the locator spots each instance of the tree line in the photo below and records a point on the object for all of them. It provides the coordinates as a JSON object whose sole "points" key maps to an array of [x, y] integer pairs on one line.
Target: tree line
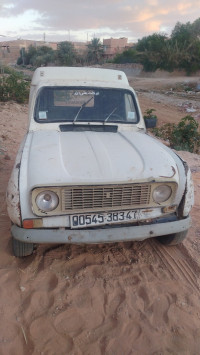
{"points": [[158, 51], [65, 55]]}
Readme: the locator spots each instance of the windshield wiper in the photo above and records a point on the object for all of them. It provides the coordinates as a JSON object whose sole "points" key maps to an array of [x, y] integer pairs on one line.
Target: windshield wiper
{"points": [[82, 106], [110, 114]]}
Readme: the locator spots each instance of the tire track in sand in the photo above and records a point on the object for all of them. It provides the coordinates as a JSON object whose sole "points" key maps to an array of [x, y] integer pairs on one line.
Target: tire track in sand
{"points": [[178, 264]]}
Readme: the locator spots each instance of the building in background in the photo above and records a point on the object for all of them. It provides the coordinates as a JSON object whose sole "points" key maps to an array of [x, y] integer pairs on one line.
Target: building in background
{"points": [[113, 46], [80, 47], [10, 50]]}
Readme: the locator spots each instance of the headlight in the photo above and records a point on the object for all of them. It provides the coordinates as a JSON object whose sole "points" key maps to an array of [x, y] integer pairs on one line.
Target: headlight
{"points": [[162, 193], [47, 200]]}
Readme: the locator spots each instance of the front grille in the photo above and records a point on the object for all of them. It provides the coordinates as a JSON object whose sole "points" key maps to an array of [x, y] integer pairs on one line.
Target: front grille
{"points": [[104, 197]]}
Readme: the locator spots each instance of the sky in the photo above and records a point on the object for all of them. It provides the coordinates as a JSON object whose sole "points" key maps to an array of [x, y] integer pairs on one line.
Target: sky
{"points": [[81, 20]]}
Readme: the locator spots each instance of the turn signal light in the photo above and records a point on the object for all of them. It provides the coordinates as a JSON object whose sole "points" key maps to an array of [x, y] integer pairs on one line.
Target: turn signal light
{"points": [[169, 209], [28, 223], [32, 223]]}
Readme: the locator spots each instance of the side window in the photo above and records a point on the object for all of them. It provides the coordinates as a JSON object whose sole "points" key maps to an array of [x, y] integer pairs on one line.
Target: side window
{"points": [[130, 108]]}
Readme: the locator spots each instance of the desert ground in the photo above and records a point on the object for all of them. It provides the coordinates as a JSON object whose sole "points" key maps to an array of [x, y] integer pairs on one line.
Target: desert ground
{"points": [[113, 299]]}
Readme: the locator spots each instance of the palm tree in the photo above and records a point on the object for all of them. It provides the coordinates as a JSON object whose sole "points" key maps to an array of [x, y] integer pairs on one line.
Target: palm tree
{"points": [[95, 51]]}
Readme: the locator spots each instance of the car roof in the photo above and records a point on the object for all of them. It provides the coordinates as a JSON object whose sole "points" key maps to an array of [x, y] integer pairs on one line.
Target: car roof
{"points": [[66, 75]]}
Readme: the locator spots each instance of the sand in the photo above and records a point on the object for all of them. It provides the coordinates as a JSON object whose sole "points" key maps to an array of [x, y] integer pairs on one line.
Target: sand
{"points": [[125, 298]]}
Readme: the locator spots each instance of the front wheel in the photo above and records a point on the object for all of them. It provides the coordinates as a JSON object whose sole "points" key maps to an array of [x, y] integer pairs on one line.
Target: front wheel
{"points": [[21, 249], [172, 239]]}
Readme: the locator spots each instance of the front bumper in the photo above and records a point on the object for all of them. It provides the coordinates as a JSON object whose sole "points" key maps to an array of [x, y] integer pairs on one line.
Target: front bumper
{"points": [[100, 235]]}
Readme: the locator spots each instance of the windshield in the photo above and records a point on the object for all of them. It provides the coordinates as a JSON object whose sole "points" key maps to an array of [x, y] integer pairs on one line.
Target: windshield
{"points": [[64, 104]]}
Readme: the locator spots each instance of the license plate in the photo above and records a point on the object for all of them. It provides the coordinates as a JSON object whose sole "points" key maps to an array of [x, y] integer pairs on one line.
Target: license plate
{"points": [[97, 219]]}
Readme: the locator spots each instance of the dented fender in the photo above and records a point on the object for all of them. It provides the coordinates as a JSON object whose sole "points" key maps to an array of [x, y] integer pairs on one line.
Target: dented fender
{"points": [[188, 201], [13, 194]]}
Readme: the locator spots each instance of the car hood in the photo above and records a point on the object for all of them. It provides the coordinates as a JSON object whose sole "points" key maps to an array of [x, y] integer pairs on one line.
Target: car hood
{"points": [[57, 158]]}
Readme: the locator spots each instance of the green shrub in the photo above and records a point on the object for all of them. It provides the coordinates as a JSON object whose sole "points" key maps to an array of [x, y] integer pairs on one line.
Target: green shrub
{"points": [[185, 135], [181, 136], [128, 56], [14, 87], [149, 113], [164, 132]]}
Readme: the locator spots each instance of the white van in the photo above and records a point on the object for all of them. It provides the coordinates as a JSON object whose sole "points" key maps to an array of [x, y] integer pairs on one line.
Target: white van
{"points": [[88, 172]]}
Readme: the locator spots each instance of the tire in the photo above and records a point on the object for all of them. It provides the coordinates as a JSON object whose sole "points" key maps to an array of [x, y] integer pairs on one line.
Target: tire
{"points": [[172, 239], [21, 249]]}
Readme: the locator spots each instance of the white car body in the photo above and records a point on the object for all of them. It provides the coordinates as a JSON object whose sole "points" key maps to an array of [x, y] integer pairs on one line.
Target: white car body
{"points": [[89, 157]]}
